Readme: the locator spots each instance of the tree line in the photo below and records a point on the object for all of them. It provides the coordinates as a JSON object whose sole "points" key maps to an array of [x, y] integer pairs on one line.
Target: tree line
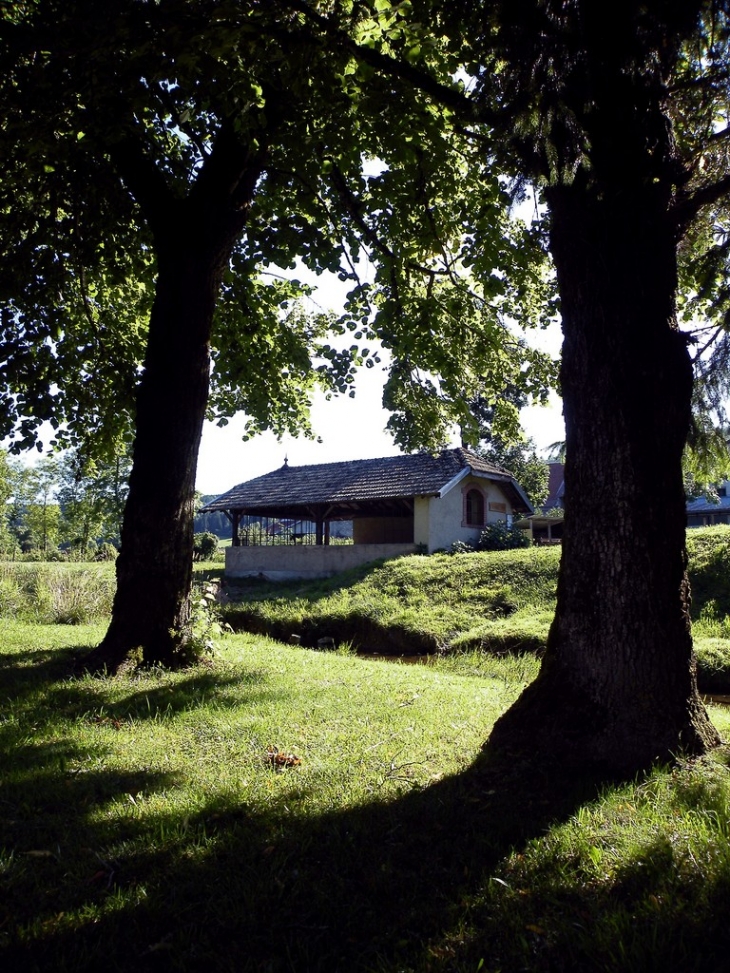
{"points": [[61, 507]]}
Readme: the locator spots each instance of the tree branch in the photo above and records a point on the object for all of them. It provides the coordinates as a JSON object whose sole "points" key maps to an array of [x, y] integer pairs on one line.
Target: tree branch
{"points": [[446, 95], [142, 178], [690, 204]]}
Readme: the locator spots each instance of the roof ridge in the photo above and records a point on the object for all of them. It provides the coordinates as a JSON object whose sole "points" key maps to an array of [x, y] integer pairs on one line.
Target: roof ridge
{"points": [[370, 459]]}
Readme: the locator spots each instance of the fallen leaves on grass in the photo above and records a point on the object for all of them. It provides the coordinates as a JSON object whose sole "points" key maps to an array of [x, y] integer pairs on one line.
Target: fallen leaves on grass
{"points": [[280, 759]]}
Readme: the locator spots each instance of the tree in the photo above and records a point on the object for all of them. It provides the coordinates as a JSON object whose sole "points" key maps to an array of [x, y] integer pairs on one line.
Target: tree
{"points": [[92, 494], [7, 486], [521, 460], [34, 511], [159, 159], [619, 114]]}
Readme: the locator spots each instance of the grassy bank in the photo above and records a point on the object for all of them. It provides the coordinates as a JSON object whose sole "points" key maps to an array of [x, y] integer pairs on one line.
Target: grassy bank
{"points": [[490, 602], [145, 827], [501, 601]]}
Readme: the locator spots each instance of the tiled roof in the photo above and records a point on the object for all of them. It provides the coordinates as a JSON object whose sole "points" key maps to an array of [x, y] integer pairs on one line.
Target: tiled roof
{"points": [[361, 480]]}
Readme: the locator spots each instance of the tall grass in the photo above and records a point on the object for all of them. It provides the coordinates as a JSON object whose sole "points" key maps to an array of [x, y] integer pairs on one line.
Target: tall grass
{"points": [[56, 594]]}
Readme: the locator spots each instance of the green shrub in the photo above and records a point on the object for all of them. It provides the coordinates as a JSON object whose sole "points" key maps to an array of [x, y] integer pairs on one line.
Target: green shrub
{"points": [[461, 547], [502, 536], [106, 552], [204, 546]]}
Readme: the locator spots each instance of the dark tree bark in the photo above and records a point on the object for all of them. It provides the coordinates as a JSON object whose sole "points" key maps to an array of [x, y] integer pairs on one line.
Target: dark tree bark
{"points": [[194, 239], [617, 685], [154, 569]]}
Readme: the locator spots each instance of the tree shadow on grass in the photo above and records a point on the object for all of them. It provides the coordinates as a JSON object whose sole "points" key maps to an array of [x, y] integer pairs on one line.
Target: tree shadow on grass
{"points": [[54, 674], [368, 888], [396, 885]]}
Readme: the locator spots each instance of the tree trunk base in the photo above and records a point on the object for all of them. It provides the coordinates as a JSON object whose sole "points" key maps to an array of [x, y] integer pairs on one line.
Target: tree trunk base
{"points": [[118, 652], [556, 723]]}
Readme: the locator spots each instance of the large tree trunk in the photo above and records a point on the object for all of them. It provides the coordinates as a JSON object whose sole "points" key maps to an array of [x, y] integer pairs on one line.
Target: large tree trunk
{"points": [[617, 686], [194, 238], [151, 613]]}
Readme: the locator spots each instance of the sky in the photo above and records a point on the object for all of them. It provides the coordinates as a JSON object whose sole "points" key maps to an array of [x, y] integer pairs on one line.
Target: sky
{"points": [[349, 428]]}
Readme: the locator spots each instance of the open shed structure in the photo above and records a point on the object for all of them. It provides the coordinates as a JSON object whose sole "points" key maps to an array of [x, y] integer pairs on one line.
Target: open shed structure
{"points": [[283, 523]]}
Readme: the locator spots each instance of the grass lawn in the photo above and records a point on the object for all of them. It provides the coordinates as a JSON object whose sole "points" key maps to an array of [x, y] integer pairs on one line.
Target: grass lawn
{"points": [[143, 825]]}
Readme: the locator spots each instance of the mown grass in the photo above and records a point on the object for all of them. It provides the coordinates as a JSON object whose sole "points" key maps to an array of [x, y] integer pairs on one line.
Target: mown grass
{"points": [[143, 827]]}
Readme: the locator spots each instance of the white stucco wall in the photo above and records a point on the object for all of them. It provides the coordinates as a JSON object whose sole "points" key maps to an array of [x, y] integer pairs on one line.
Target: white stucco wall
{"points": [[440, 520]]}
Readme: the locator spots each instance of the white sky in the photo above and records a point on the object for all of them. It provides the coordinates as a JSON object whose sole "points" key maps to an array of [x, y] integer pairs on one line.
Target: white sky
{"points": [[350, 428]]}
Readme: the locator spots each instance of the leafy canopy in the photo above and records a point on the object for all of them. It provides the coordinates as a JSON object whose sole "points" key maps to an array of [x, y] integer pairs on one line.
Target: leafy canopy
{"points": [[365, 176]]}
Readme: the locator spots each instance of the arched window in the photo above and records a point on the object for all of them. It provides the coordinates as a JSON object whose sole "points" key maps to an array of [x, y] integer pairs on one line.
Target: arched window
{"points": [[474, 508]]}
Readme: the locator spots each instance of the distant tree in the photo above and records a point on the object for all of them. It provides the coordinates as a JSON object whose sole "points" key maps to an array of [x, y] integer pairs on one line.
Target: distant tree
{"points": [[514, 453], [92, 494], [204, 547], [8, 540], [522, 461], [34, 511], [215, 523]]}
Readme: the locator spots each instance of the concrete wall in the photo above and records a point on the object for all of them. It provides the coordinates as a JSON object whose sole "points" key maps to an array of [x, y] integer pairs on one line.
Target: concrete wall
{"points": [[285, 561]]}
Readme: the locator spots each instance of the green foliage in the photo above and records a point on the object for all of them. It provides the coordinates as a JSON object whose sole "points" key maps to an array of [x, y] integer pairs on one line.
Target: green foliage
{"points": [[501, 536], [92, 492], [516, 454], [207, 625], [522, 461], [204, 546], [106, 552], [71, 501], [195, 80]]}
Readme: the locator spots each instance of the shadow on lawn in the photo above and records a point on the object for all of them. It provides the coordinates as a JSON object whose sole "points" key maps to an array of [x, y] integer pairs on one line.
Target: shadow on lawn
{"points": [[58, 674], [391, 886], [374, 888]]}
